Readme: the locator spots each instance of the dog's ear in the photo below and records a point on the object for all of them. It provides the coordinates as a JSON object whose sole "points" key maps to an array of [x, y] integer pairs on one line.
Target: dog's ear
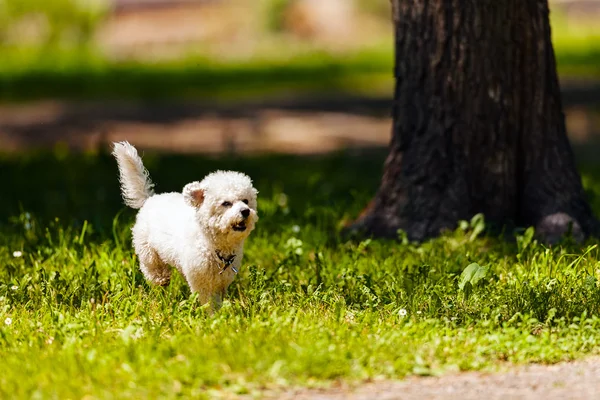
{"points": [[193, 194]]}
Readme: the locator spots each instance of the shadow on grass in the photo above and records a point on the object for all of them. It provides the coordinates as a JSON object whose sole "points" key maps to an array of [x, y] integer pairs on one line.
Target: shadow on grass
{"points": [[80, 187], [76, 186]]}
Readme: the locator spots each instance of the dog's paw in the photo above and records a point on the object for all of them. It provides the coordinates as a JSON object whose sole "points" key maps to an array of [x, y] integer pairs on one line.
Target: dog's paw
{"points": [[164, 282], [161, 280]]}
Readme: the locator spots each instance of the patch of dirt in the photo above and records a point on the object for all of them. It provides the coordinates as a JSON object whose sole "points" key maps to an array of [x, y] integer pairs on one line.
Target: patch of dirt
{"points": [[192, 128], [573, 380], [295, 127]]}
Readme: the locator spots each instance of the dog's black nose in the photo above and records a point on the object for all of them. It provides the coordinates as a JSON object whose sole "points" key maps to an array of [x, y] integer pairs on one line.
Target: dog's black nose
{"points": [[245, 213]]}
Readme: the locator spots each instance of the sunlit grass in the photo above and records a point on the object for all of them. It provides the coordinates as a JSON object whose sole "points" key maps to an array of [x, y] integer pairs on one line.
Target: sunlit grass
{"points": [[308, 307], [84, 75]]}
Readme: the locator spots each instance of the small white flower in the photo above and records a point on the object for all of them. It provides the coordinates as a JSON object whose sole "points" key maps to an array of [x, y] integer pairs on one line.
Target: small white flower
{"points": [[402, 312], [17, 254], [295, 229], [7, 321], [14, 287], [418, 312]]}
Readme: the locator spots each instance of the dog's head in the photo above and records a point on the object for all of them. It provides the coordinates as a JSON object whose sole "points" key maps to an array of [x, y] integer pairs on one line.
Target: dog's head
{"points": [[225, 203]]}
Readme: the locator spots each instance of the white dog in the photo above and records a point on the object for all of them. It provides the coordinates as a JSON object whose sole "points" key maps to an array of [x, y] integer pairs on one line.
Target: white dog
{"points": [[200, 231]]}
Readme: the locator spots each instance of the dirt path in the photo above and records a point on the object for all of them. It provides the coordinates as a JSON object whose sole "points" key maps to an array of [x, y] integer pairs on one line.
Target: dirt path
{"points": [[574, 381]]}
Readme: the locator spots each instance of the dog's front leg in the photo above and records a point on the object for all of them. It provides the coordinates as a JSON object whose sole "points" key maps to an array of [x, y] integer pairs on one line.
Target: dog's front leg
{"points": [[216, 300], [199, 286], [208, 300]]}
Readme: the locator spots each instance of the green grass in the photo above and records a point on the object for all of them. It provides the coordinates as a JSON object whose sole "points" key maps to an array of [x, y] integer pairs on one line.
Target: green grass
{"points": [[67, 74], [577, 47], [307, 308]]}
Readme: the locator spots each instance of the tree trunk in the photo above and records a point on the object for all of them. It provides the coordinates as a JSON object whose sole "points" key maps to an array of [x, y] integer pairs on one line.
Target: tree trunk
{"points": [[478, 125]]}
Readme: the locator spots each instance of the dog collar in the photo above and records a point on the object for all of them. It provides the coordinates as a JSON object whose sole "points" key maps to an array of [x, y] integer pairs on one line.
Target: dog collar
{"points": [[227, 261]]}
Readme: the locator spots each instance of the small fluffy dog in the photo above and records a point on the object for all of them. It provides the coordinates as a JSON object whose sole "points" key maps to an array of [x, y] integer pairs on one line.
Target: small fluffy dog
{"points": [[200, 231]]}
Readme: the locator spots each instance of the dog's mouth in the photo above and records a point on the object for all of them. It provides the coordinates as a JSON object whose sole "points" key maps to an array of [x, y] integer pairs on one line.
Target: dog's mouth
{"points": [[240, 226]]}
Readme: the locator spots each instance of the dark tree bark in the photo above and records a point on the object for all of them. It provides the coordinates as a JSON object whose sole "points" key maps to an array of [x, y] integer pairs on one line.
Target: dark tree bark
{"points": [[478, 125]]}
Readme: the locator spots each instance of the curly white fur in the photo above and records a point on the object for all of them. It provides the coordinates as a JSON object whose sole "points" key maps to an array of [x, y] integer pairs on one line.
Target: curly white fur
{"points": [[192, 229]]}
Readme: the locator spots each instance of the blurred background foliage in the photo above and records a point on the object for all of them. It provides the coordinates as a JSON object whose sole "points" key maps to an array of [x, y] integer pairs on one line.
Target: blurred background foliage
{"points": [[38, 24], [65, 48]]}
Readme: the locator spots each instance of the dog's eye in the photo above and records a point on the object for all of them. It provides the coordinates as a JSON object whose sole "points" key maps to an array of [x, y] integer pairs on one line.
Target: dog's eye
{"points": [[226, 204], [245, 201]]}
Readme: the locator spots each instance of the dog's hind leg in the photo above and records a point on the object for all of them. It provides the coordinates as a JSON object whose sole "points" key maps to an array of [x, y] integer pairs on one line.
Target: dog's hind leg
{"points": [[153, 268]]}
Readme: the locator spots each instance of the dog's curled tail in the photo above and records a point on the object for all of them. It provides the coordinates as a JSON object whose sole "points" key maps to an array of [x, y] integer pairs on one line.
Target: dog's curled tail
{"points": [[136, 186]]}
